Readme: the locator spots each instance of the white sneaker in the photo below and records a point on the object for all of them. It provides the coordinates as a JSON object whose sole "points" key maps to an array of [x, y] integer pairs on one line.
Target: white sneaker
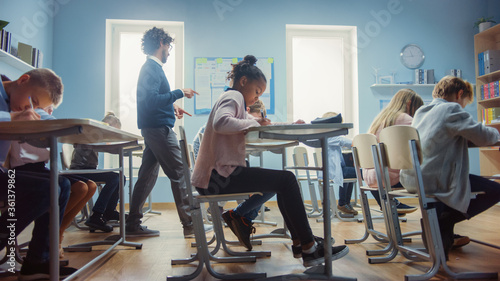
{"points": [[189, 231]]}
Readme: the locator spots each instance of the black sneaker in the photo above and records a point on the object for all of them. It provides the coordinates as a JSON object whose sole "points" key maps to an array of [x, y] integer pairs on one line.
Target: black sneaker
{"points": [[240, 226], [297, 250], [405, 209], [42, 271], [96, 221], [318, 257]]}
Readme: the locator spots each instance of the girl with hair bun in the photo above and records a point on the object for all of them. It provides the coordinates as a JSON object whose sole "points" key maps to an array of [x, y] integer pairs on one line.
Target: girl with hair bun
{"points": [[220, 167]]}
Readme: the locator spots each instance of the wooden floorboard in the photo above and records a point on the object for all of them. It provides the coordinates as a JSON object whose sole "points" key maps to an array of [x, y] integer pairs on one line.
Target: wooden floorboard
{"points": [[152, 262]]}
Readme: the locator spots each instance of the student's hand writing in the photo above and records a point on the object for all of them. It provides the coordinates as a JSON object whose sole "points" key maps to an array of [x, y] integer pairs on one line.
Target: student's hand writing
{"points": [[264, 121], [28, 114], [189, 93]]}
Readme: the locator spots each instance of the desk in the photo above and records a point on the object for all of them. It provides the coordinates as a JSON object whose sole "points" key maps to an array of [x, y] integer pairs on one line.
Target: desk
{"points": [[47, 133], [304, 132]]}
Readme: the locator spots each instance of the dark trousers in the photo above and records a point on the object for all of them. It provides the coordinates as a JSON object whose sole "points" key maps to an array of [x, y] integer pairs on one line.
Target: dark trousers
{"points": [[32, 202], [283, 183], [109, 195], [162, 149], [481, 203]]}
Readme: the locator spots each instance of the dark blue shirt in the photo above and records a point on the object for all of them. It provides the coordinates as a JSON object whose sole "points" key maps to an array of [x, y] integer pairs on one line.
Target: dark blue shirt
{"points": [[155, 100]]}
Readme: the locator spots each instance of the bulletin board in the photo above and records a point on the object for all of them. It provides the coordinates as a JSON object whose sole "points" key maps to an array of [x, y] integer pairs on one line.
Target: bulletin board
{"points": [[210, 81]]}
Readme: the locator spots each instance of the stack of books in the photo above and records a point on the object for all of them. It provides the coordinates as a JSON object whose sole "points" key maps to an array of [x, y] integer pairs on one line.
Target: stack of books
{"points": [[25, 52], [489, 90]]}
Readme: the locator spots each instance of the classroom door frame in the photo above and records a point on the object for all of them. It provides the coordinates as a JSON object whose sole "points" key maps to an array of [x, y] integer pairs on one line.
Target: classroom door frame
{"points": [[114, 29], [348, 34]]}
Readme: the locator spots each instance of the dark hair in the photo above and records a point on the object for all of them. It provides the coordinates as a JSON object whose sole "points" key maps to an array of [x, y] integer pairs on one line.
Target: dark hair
{"points": [[246, 68], [152, 38]]}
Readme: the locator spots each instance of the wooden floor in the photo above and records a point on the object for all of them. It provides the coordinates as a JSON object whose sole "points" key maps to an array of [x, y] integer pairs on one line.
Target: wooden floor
{"points": [[152, 262]]}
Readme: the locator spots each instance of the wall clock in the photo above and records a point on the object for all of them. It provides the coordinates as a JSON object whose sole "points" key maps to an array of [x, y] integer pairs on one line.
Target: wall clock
{"points": [[412, 56]]}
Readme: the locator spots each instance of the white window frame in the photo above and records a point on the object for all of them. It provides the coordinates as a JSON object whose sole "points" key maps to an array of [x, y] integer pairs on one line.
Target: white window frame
{"points": [[348, 34]]}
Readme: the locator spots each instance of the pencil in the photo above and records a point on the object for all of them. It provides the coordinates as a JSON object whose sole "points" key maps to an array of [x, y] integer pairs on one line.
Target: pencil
{"points": [[31, 103]]}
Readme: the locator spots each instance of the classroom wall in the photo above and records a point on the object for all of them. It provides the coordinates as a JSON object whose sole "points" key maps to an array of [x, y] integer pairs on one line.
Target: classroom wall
{"points": [[31, 22], [239, 27]]}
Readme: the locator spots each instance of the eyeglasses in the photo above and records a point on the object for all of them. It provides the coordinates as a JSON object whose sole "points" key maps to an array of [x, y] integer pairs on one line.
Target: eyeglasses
{"points": [[170, 47]]}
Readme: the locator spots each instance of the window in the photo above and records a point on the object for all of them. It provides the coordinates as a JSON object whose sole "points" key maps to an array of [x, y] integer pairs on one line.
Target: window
{"points": [[322, 66], [124, 59]]}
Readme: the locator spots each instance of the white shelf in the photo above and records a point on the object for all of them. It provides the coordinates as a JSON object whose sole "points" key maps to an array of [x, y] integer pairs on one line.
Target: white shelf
{"points": [[391, 89], [14, 62]]}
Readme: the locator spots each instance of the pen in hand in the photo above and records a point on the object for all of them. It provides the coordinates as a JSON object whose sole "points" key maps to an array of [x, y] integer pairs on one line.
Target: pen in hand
{"points": [[31, 103]]}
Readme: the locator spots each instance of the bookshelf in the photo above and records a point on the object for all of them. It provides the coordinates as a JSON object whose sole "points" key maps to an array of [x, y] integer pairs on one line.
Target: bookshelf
{"points": [[388, 90], [489, 158], [14, 62]]}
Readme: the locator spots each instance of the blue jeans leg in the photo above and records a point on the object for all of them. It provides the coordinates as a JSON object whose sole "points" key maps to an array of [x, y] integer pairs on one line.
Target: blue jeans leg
{"points": [[250, 208]]}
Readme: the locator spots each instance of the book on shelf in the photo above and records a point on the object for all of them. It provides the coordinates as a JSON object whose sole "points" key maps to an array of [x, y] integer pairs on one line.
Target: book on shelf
{"points": [[491, 61], [25, 52]]}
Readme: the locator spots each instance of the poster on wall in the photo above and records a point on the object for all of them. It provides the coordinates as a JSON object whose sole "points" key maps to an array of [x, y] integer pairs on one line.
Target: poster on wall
{"points": [[210, 81]]}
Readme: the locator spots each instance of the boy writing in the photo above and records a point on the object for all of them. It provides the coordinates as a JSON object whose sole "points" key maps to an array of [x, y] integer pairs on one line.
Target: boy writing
{"points": [[445, 128], [35, 89]]}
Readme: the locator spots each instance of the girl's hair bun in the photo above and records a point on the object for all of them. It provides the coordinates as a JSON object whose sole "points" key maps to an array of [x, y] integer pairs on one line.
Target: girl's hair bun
{"points": [[250, 59]]}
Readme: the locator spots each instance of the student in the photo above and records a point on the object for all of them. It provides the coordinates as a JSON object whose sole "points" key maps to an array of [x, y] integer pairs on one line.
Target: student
{"points": [[399, 111], [221, 168], [156, 114], [32, 199], [338, 168], [445, 128], [105, 206], [24, 157]]}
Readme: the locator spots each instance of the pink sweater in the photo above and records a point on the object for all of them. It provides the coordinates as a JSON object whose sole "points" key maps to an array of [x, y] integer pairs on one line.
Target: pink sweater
{"points": [[223, 144], [369, 175]]}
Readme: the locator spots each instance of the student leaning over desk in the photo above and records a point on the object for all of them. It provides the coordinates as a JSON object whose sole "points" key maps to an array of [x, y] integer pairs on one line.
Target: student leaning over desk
{"points": [[32, 198], [445, 128], [221, 168]]}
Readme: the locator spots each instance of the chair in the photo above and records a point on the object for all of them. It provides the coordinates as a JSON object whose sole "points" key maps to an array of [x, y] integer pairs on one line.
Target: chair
{"points": [[399, 149], [301, 162], [363, 159], [204, 255]]}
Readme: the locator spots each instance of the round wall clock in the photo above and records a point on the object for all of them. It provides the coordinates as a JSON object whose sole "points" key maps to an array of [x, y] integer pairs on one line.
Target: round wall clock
{"points": [[412, 56]]}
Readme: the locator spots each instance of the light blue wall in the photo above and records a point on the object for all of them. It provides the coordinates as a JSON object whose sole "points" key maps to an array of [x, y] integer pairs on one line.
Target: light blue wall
{"points": [[442, 28]]}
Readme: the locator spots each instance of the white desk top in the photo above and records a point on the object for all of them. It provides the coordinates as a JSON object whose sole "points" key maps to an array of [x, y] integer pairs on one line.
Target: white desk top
{"points": [[90, 131]]}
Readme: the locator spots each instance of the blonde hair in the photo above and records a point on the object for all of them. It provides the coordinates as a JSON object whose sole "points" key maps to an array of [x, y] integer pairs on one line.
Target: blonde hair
{"points": [[112, 120], [49, 80], [404, 101], [450, 85], [331, 114], [257, 107]]}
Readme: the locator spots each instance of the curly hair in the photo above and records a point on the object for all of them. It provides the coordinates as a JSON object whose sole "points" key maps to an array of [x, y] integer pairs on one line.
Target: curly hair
{"points": [[246, 68], [152, 38]]}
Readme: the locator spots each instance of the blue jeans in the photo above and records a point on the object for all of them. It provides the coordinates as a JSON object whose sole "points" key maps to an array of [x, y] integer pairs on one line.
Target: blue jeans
{"points": [[345, 191], [110, 193], [250, 208], [32, 202]]}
